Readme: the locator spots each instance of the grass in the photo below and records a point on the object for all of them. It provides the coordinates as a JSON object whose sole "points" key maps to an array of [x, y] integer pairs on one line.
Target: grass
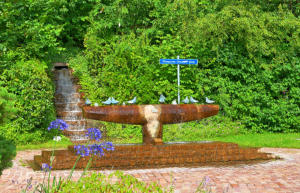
{"points": [[64, 143], [283, 140], [217, 128], [279, 140]]}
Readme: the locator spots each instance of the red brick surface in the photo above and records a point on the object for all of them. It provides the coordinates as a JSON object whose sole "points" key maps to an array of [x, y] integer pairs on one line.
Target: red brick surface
{"points": [[153, 156], [272, 176]]}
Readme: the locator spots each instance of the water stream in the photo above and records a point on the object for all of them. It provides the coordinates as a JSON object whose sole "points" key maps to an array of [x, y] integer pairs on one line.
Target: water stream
{"points": [[67, 101]]}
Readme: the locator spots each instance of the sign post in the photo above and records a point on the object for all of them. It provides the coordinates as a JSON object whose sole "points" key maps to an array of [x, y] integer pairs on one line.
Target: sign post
{"points": [[178, 80], [179, 62]]}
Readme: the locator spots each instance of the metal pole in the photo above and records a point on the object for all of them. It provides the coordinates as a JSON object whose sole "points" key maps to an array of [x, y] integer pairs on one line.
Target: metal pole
{"points": [[178, 80]]}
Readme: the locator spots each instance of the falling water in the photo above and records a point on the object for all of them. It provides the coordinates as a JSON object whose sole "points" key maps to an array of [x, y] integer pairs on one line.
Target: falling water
{"points": [[67, 101]]}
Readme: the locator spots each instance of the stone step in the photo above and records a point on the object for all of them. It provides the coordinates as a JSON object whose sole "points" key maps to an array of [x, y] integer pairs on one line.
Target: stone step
{"points": [[67, 100], [75, 87], [74, 126], [68, 107], [65, 105], [76, 122], [70, 118], [60, 64], [66, 95], [70, 132], [69, 113], [73, 79], [79, 138], [80, 104]]}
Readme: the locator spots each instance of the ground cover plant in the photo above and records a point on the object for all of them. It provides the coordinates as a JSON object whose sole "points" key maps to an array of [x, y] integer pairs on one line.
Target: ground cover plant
{"points": [[98, 182]]}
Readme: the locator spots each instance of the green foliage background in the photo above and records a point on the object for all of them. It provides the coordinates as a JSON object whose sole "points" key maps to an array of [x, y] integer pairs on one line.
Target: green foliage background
{"points": [[34, 100], [248, 54]]}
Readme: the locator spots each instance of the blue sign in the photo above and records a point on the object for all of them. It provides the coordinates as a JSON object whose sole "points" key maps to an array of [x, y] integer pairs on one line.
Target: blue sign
{"points": [[179, 61]]}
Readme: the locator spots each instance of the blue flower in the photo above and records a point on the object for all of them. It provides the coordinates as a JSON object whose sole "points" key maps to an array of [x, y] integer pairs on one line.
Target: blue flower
{"points": [[94, 133], [46, 167], [108, 146], [58, 124], [82, 150], [96, 149]]}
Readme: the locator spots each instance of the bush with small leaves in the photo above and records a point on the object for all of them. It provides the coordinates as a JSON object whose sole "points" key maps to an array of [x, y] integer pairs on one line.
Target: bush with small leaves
{"points": [[7, 153]]}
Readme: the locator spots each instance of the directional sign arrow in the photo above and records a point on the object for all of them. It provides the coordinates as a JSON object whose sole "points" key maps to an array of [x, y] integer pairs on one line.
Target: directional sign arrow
{"points": [[179, 61]]}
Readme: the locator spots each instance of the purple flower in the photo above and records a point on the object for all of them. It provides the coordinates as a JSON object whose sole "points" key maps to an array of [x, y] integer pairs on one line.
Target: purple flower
{"points": [[108, 146], [46, 167], [207, 179], [81, 150], [96, 149], [58, 124], [94, 133]]}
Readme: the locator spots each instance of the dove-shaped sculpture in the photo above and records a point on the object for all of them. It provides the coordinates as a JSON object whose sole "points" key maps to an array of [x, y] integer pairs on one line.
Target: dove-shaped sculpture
{"points": [[87, 102], [162, 98], [193, 100], [107, 102], [133, 101], [186, 100], [174, 102], [114, 101], [208, 100]]}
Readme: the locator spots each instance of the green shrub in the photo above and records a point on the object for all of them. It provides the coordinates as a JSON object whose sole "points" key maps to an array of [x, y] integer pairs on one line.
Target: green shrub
{"points": [[42, 27], [7, 109], [34, 92], [98, 182], [7, 153], [248, 58]]}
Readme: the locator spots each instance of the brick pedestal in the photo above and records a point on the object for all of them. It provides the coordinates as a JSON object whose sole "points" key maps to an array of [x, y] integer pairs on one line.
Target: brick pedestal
{"points": [[153, 156]]}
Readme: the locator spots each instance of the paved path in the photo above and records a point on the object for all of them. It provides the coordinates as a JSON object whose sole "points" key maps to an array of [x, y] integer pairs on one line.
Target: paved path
{"points": [[275, 176]]}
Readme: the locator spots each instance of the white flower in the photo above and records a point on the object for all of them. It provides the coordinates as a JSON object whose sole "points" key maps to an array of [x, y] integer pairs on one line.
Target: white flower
{"points": [[57, 138]]}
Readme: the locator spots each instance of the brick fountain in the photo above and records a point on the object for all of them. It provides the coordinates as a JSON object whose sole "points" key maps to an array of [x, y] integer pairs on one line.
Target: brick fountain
{"points": [[154, 152]]}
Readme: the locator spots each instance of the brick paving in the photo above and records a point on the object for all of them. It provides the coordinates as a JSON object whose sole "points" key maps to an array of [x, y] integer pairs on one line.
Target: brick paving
{"points": [[267, 177]]}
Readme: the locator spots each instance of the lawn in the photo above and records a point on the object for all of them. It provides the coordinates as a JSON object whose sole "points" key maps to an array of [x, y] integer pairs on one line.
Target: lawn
{"points": [[280, 140], [283, 140]]}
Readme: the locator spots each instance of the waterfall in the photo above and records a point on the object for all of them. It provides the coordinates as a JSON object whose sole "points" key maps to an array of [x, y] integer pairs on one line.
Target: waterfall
{"points": [[67, 102]]}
